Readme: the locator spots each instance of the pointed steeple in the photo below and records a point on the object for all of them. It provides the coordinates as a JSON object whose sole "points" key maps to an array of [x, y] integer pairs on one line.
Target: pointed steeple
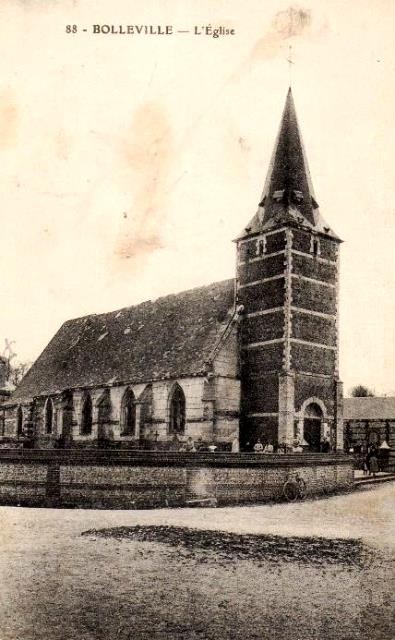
{"points": [[288, 184], [288, 194]]}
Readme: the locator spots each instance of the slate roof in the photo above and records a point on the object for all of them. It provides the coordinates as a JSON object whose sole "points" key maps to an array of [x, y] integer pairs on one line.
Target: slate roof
{"points": [[369, 409], [170, 337], [288, 194]]}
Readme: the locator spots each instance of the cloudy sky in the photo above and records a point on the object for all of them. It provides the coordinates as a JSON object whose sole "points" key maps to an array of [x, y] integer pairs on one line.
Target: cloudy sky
{"points": [[130, 162]]}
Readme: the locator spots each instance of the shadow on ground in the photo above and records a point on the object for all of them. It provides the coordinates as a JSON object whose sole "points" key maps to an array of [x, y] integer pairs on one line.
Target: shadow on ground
{"points": [[234, 546]]}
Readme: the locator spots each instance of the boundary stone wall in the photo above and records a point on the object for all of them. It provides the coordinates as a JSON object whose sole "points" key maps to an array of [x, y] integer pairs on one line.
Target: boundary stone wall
{"points": [[141, 479]]}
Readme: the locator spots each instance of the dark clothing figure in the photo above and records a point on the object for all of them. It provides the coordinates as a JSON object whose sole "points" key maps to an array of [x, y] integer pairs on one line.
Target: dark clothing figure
{"points": [[190, 445], [175, 443], [325, 446], [373, 465], [383, 458], [372, 460]]}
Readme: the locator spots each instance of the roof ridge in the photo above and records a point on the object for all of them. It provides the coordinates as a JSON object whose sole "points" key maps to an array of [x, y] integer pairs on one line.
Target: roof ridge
{"points": [[166, 338], [151, 300]]}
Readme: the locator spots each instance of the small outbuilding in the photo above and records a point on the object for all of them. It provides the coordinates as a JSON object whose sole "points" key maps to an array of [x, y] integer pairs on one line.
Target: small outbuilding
{"points": [[369, 421]]}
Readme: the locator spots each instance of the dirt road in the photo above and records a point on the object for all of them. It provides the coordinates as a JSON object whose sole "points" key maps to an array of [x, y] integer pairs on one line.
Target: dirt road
{"points": [[59, 584]]}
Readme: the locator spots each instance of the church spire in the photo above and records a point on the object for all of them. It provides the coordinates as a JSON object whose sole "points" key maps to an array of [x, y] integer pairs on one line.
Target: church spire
{"points": [[288, 194], [288, 189]]}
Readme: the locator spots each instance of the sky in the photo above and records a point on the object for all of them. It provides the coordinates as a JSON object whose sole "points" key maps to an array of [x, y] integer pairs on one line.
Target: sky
{"points": [[129, 163]]}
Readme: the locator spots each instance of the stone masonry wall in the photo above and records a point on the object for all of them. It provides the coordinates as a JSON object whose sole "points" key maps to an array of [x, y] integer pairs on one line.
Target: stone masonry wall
{"points": [[302, 242], [313, 296], [313, 359], [257, 269], [161, 479], [266, 327], [207, 402], [311, 386], [261, 394], [264, 359], [313, 328], [262, 296]]}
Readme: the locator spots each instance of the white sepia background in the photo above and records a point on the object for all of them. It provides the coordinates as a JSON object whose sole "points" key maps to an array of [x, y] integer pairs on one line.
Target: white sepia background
{"points": [[129, 163]]}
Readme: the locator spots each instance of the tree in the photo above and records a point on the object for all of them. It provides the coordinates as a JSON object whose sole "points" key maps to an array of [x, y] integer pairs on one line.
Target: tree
{"points": [[17, 371], [360, 391]]}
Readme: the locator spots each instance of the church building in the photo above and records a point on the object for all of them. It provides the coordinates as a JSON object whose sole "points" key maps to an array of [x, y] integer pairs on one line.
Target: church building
{"points": [[254, 357]]}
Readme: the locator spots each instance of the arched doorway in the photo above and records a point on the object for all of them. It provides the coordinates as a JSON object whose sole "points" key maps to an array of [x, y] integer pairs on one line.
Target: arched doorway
{"points": [[312, 426]]}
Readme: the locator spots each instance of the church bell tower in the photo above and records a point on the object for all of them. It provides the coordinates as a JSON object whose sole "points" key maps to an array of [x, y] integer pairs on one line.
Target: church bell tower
{"points": [[287, 284]]}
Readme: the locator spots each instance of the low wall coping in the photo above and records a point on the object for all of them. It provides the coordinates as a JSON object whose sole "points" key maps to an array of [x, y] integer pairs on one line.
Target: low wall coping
{"points": [[110, 457]]}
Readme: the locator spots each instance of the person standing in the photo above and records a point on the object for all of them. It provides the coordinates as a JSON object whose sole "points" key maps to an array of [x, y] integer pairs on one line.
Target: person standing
{"points": [[325, 445], [200, 444], [365, 464], [235, 445], [297, 447], [373, 462], [190, 445], [258, 446]]}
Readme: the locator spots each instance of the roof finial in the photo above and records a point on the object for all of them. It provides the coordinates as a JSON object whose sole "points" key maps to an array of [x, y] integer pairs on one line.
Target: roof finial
{"points": [[290, 63]]}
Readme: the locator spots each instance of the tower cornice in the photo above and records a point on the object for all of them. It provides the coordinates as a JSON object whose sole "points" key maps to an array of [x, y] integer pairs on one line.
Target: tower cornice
{"points": [[288, 196]]}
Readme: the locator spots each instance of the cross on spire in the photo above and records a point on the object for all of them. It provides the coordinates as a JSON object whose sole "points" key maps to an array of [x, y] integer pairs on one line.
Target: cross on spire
{"points": [[290, 63]]}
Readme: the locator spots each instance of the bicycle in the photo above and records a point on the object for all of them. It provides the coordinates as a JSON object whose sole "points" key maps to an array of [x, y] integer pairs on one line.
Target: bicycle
{"points": [[295, 488]]}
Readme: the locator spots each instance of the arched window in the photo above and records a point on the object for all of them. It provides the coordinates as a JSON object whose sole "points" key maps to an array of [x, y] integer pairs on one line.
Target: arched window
{"points": [[315, 246], [19, 422], [67, 415], [104, 408], [177, 410], [128, 413], [146, 400], [48, 416], [86, 423], [146, 412]]}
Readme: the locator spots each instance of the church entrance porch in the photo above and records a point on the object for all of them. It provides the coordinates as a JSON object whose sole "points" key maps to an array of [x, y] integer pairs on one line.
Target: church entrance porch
{"points": [[312, 434], [312, 427]]}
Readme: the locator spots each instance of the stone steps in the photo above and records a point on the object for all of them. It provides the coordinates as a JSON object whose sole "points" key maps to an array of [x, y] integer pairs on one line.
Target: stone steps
{"points": [[367, 480]]}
